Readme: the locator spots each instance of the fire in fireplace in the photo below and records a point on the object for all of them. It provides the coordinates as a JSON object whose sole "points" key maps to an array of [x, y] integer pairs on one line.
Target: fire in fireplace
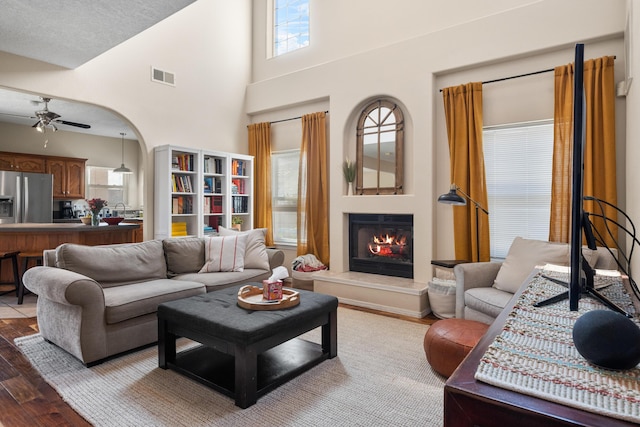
{"points": [[388, 246], [381, 244]]}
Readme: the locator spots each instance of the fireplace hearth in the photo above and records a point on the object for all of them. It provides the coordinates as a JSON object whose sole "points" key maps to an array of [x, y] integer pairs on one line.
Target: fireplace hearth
{"points": [[381, 244]]}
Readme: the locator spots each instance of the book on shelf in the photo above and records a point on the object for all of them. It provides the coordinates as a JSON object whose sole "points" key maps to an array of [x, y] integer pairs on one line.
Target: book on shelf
{"points": [[209, 184], [240, 204], [181, 183], [212, 165], [216, 206], [185, 162], [240, 186], [214, 222], [212, 204], [178, 228], [238, 167], [181, 205]]}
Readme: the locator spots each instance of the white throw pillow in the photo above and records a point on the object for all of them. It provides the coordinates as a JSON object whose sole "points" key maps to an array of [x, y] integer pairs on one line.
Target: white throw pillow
{"points": [[523, 256], [224, 253], [255, 255]]}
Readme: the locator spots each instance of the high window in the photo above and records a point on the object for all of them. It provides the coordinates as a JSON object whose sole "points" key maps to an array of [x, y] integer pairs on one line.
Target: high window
{"points": [[105, 184], [284, 181], [518, 160], [290, 25]]}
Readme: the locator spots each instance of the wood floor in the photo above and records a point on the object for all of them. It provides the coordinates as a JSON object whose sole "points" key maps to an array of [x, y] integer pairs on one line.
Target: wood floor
{"points": [[27, 400]]}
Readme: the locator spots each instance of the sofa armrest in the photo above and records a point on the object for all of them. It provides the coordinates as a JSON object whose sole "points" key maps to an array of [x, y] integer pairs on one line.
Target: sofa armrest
{"points": [[473, 275], [276, 257], [64, 286], [49, 257]]}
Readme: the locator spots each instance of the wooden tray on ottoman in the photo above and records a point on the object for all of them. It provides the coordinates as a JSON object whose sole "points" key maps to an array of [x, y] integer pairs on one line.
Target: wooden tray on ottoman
{"points": [[250, 297]]}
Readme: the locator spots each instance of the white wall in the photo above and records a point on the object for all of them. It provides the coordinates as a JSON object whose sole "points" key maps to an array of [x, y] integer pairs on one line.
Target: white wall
{"points": [[470, 38], [208, 47], [340, 29]]}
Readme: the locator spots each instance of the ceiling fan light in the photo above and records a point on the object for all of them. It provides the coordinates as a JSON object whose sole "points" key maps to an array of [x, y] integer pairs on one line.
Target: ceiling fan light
{"points": [[53, 127], [40, 127]]}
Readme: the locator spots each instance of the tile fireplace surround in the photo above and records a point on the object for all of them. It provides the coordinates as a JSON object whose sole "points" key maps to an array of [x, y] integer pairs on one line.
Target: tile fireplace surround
{"points": [[385, 293], [375, 290]]}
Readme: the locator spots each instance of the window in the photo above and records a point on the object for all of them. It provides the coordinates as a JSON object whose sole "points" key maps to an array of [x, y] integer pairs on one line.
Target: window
{"points": [[105, 184], [518, 160], [284, 181], [290, 25], [379, 152]]}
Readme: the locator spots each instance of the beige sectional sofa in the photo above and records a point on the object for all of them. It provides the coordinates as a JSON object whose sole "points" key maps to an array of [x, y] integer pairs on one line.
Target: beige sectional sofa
{"points": [[98, 301], [483, 289]]}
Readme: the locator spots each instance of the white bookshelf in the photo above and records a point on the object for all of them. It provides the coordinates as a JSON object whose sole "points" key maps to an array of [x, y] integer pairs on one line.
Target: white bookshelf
{"points": [[198, 193], [241, 189]]}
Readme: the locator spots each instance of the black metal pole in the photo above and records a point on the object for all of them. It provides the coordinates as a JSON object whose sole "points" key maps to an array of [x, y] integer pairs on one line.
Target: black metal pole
{"points": [[477, 237]]}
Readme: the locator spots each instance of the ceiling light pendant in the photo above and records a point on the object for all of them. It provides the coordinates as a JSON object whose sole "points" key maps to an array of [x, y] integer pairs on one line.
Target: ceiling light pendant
{"points": [[41, 127], [123, 169]]}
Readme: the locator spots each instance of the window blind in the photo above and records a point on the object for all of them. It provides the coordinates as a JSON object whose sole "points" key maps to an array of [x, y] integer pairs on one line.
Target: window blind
{"points": [[518, 160]]}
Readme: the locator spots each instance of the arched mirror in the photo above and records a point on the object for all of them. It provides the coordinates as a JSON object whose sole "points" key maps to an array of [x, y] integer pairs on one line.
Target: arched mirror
{"points": [[380, 138]]}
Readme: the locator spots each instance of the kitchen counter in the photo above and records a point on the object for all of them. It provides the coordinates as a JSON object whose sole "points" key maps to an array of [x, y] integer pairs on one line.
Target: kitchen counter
{"points": [[134, 220], [76, 227], [34, 237]]}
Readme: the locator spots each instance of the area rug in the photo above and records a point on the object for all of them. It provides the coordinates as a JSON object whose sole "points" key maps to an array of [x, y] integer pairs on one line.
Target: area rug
{"points": [[380, 378]]}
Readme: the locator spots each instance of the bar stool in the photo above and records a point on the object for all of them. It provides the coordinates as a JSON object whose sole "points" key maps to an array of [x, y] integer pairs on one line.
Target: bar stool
{"points": [[26, 258], [13, 257]]}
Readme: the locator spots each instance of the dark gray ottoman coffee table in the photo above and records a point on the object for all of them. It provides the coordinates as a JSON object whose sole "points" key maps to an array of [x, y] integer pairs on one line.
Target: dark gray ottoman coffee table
{"points": [[245, 353]]}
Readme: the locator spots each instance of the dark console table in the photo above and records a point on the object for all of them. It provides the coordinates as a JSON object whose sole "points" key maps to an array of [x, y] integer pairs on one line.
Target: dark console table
{"points": [[471, 403]]}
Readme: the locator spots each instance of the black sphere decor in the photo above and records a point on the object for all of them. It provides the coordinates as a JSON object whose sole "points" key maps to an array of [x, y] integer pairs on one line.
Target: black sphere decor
{"points": [[607, 339]]}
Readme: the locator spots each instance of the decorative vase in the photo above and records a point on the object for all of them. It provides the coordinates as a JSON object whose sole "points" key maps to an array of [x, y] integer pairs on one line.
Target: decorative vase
{"points": [[95, 220], [349, 188]]}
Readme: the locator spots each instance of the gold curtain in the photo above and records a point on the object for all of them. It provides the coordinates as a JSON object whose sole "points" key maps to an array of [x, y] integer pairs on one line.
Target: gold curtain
{"points": [[313, 190], [463, 111], [260, 148], [599, 177], [559, 227]]}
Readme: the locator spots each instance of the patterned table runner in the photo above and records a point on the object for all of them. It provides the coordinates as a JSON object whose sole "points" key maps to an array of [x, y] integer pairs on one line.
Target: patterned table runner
{"points": [[534, 354]]}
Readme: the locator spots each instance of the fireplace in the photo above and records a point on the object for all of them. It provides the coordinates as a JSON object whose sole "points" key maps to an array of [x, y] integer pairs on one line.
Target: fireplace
{"points": [[381, 244]]}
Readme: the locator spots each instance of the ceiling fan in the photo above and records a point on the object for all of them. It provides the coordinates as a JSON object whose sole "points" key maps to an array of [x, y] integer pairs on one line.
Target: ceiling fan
{"points": [[49, 119]]}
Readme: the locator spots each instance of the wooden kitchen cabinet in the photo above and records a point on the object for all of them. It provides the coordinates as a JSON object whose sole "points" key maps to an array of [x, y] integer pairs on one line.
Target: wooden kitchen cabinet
{"points": [[138, 235], [68, 177], [22, 162]]}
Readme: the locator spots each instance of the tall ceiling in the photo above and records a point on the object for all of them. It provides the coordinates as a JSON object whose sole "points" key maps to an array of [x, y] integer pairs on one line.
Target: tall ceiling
{"points": [[68, 34]]}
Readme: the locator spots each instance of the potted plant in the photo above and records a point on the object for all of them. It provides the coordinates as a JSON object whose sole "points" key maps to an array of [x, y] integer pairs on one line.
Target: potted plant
{"points": [[236, 222], [349, 170]]}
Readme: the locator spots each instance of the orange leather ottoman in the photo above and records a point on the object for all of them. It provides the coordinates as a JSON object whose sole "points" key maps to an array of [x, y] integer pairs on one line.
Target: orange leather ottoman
{"points": [[447, 342]]}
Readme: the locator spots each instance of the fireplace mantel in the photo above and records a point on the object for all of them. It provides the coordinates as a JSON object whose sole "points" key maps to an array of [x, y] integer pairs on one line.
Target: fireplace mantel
{"points": [[391, 294]]}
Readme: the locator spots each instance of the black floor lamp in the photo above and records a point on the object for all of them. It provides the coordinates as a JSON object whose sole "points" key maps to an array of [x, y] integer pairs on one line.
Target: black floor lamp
{"points": [[453, 198]]}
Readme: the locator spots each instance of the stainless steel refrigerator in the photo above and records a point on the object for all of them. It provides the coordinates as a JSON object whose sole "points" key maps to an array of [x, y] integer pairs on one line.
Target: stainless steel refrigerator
{"points": [[25, 197]]}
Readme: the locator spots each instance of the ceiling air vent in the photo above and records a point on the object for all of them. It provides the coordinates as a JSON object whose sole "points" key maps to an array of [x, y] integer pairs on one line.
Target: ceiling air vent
{"points": [[165, 77]]}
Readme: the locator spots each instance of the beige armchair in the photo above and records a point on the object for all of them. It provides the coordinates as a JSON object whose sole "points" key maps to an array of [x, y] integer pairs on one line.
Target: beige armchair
{"points": [[483, 289]]}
